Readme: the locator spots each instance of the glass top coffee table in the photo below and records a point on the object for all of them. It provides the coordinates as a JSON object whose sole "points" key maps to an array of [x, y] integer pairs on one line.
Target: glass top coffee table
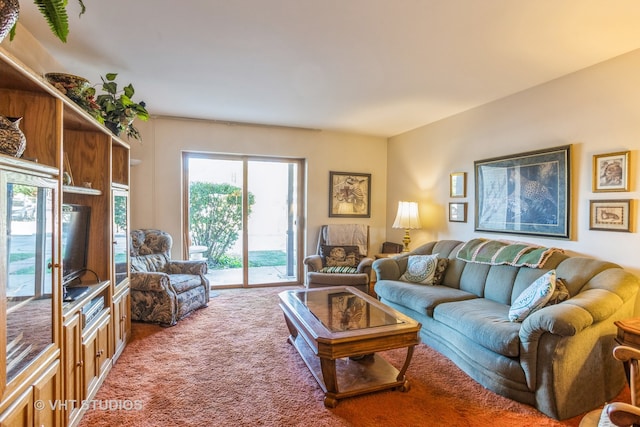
{"points": [[338, 331]]}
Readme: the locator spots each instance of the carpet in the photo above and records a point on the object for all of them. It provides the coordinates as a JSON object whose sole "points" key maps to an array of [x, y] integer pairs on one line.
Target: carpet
{"points": [[231, 364]]}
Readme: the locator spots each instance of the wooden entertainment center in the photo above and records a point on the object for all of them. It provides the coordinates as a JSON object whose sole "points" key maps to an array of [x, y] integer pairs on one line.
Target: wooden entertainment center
{"points": [[57, 352]]}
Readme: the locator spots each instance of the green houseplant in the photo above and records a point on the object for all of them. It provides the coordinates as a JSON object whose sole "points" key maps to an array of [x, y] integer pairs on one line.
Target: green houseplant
{"points": [[55, 13], [117, 108]]}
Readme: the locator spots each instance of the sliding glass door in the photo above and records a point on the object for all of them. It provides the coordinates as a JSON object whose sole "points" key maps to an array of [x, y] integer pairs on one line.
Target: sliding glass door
{"points": [[243, 217]]}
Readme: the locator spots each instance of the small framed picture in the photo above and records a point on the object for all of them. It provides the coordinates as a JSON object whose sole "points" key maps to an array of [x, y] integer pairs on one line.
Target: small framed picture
{"points": [[457, 212], [611, 172], [458, 184], [610, 215]]}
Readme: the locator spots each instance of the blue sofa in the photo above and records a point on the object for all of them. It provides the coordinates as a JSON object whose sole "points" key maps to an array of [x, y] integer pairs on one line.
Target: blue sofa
{"points": [[559, 359]]}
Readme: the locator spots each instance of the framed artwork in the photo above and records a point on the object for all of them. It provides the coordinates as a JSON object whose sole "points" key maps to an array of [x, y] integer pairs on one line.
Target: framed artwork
{"points": [[526, 193], [610, 215], [458, 184], [457, 212], [349, 195], [611, 172]]}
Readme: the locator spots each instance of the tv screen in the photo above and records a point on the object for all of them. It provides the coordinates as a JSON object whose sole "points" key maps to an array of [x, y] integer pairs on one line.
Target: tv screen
{"points": [[75, 241]]}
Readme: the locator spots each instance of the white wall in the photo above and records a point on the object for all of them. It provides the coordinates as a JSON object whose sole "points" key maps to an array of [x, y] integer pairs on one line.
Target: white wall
{"points": [[597, 110], [156, 187]]}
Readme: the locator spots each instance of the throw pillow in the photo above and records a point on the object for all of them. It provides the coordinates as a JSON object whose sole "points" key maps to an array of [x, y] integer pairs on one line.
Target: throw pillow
{"points": [[441, 268], [534, 297], [343, 269], [421, 269], [561, 293], [339, 256]]}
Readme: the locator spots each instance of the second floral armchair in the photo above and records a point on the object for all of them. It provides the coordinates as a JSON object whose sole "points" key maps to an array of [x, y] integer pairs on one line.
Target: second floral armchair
{"points": [[164, 290]]}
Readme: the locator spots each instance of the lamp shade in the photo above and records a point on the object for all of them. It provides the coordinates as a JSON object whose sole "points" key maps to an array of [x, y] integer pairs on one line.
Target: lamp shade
{"points": [[407, 216]]}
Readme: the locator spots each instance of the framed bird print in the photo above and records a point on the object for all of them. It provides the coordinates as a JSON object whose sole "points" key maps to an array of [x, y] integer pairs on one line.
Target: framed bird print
{"points": [[525, 193]]}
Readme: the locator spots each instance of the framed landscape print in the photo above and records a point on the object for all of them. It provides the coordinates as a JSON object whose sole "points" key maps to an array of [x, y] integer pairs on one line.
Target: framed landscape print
{"points": [[349, 195], [526, 193], [611, 172], [610, 215], [457, 212], [458, 184]]}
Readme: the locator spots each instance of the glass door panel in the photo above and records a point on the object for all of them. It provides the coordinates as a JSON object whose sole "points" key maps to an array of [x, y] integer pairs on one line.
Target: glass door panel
{"points": [[271, 227], [26, 239], [215, 216], [120, 236]]}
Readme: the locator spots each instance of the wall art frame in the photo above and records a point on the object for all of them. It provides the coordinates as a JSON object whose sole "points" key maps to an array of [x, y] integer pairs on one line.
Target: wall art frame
{"points": [[457, 212], [610, 215], [349, 194], [526, 193], [611, 172], [458, 184]]}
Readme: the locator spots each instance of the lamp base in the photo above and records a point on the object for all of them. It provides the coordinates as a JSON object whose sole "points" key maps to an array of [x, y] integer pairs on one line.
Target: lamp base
{"points": [[406, 240]]}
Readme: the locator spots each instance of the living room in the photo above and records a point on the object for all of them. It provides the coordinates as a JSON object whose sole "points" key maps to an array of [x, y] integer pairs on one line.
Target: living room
{"points": [[594, 109]]}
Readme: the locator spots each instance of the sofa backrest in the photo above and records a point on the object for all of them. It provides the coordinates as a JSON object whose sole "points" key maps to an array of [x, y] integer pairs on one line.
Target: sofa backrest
{"points": [[504, 283]]}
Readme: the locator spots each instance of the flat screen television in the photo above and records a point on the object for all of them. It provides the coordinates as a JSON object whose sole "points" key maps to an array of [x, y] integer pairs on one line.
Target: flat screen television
{"points": [[75, 242]]}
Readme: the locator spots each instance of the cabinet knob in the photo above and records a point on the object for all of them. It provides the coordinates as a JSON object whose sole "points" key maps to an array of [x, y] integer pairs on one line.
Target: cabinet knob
{"points": [[80, 364]]}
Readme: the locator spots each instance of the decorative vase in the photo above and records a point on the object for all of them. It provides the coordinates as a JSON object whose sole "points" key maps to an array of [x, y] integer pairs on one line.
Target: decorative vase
{"points": [[12, 140], [9, 10], [113, 127]]}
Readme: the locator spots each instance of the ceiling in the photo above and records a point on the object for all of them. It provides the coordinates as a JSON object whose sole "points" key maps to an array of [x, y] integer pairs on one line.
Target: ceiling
{"points": [[373, 67]]}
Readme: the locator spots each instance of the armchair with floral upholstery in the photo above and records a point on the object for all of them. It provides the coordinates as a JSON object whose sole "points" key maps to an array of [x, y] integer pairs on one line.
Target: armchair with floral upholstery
{"points": [[341, 258], [164, 290]]}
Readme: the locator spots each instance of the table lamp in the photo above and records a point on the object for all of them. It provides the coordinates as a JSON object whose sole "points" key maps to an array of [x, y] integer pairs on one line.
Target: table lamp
{"points": [[407, 218]]}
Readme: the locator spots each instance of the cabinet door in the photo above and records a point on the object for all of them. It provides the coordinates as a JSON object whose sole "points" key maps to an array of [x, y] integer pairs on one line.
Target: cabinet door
{"points": [[26, 270], [120, 267], [20, 413], [72, 367], [48, 408], [121, 321], [95, 353]]}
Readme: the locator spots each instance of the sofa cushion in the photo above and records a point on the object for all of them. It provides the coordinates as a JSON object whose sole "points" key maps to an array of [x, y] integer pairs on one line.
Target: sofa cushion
{"points": [[536, 296], [419, 298], [484, 322], [420, 269]]}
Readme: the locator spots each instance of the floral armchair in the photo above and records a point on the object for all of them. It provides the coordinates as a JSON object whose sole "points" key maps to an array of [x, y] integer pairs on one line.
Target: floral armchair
{"points": [[163, 290]]}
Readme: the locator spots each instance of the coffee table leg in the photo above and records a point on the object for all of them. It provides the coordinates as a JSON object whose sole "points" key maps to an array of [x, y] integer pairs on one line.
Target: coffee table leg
{"points": [[292, 331], [401, 377], [328, 367]]}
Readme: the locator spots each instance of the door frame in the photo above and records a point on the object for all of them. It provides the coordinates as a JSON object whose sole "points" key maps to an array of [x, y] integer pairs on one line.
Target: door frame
{"points": [[300, 219]]}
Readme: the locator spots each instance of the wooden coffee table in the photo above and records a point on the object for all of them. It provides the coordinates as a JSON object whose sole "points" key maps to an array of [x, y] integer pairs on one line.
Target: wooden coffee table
{"points": [[338, 331]]}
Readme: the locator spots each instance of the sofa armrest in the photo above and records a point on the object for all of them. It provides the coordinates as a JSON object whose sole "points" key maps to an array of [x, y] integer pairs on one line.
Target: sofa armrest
{"points": [[623, 414], [387, 269], [187, 267], [151, 282], [365, 265], [313, 262]]}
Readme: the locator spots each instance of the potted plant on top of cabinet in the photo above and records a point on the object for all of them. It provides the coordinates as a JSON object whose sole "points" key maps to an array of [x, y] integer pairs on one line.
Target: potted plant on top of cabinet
{"points": [[118, 109]]}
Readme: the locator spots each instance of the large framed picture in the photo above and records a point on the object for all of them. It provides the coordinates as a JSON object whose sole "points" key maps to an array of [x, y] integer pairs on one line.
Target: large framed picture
{"points": [[611, 172], [610, 215], [349, 195], [526, 193]]}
